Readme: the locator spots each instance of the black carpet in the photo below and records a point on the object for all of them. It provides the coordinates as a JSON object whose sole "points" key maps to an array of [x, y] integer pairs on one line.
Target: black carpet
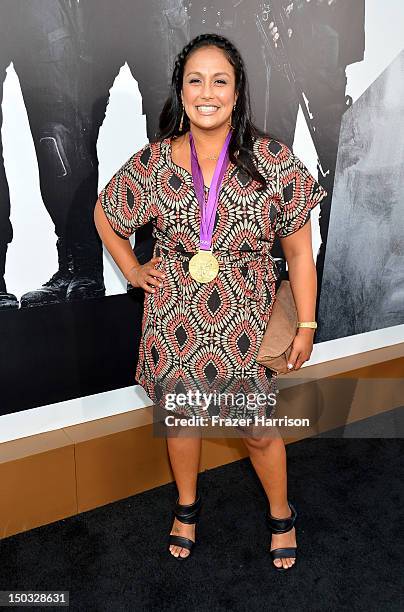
{"points": [[347, 492]]}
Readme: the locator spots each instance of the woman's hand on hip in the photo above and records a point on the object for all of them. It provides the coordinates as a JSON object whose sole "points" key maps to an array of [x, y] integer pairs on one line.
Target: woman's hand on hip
{"points": [[146, 276]]}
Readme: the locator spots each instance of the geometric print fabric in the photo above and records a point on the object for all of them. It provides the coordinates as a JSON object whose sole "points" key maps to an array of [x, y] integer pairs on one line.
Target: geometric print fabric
{"points": [[205, 336]]}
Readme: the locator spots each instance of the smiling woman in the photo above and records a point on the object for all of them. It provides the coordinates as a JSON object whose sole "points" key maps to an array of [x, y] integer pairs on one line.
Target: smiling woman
{"points": [[201, 331], [212, 95], [209, 97]]}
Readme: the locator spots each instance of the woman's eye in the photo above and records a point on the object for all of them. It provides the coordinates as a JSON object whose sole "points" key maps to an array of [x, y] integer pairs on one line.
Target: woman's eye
{"points": [[220, 81]]}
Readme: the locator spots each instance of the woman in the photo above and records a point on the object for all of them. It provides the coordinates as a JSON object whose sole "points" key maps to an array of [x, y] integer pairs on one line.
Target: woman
{"points": [[193, 327]]}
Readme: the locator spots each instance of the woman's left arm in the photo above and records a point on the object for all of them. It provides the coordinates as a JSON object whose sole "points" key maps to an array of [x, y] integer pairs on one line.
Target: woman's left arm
{"points": [[297, 248], [298, 193]]}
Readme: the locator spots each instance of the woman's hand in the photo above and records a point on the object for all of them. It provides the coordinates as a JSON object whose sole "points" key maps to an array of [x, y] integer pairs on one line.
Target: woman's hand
{"points": [[301, 348], [146, 276]]}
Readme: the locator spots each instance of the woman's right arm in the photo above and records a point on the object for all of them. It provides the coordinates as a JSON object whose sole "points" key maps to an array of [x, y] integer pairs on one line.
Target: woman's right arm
{"points": [[122, 253]]}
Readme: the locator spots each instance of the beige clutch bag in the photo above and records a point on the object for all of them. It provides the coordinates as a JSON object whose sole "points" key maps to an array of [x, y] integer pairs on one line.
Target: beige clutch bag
{"points": [[280, 332]]}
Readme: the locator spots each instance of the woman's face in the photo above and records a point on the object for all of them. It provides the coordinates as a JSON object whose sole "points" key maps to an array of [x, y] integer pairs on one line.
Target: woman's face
{"points": [[208, 90]]}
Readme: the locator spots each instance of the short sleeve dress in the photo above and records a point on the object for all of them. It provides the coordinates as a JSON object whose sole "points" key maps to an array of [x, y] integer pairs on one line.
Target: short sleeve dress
{"points": [[205, 336]]}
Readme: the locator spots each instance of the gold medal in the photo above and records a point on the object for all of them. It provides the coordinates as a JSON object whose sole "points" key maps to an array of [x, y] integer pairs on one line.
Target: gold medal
{"points": [[203, 266]]}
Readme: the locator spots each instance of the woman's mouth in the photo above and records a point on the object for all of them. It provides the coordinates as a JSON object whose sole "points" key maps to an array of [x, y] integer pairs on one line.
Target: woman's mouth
{"points": [[205, 109]]}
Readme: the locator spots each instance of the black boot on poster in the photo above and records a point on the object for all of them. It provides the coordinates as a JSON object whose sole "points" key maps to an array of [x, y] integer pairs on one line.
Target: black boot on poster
{"points": [[7, 300], [88, 277], [55, 289]]}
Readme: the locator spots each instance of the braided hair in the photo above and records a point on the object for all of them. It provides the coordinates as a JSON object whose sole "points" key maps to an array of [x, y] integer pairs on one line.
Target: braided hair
{"points": [[241, 144]]}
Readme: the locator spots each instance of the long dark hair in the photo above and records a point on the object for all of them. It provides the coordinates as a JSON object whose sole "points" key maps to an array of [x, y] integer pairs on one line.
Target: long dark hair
{"points": [[241, 144]]}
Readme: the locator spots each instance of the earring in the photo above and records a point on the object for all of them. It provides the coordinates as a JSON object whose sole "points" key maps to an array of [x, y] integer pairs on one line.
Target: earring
{"points": [[182, 120], [230, 120]]}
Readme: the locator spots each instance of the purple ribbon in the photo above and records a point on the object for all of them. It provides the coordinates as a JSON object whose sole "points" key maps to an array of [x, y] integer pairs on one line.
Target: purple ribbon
{"points": [[208, 209]]}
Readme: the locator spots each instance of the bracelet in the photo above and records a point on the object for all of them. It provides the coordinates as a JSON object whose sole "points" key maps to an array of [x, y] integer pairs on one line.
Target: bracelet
{"points": [[312, 324]]}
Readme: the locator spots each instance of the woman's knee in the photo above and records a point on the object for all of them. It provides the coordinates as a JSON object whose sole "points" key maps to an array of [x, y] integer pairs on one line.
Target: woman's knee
{"points": [[257, 442], [258, 439]]}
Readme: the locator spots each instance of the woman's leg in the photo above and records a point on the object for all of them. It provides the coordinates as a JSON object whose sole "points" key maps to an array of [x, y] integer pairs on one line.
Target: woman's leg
{"points": [[184, 456], [268, 456]]}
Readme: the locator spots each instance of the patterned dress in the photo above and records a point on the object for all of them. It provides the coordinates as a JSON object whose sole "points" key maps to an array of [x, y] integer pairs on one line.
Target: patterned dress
{"points": [[205, 336]]}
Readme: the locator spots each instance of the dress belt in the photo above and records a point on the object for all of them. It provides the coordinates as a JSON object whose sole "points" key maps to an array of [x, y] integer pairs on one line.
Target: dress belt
{"points": [[228, 260]]}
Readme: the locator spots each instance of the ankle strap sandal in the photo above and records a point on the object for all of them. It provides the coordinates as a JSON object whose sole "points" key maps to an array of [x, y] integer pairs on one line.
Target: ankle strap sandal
{"points": [[189, 514], [282, 525]]}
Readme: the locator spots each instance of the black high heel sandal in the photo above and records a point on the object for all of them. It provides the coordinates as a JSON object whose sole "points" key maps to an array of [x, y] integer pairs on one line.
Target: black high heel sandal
{"points": [[282, 525], [189, 514]]}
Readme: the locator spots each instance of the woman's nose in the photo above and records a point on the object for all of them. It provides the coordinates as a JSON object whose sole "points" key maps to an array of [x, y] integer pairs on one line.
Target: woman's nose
{"points": [[207, 91]]}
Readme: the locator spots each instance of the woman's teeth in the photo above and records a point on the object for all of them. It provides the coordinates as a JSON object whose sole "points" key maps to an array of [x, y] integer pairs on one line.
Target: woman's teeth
{"points": [[207, 109]]}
